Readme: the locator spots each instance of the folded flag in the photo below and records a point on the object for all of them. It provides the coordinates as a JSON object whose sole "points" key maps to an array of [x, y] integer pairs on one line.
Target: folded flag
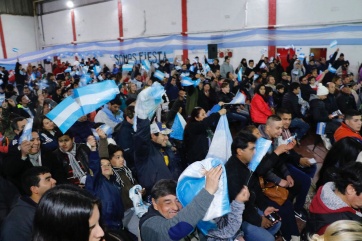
{"points": [[190, 183], [333, 44], [321, 128], [238, 99], [159, 75], [331, 69], [220, 147], [127, 67], [83, 101], [146, 65], [26, 136], [262, 146], [178, 127], [240, 74]]}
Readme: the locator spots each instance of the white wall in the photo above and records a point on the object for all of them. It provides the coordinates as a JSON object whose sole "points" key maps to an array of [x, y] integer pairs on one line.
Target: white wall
{"points": [[97, 22], [144, 17], [18, 33], [57, 28], [309, 12]]}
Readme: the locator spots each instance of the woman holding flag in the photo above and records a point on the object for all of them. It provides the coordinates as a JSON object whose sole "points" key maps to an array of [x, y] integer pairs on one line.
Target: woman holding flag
{"points": [[198, 135]]}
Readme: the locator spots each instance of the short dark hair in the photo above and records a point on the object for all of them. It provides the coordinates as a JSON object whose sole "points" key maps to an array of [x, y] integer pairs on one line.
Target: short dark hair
{"points": [[31, 178], [129, 112], [59, 134], [241, 141], [350, 113], [294, 86], [282, 111], [14, 122], [350, 174], [113, 149], [279, 86], [250, 60], [163, 188], [116, 101], [272, 118]]}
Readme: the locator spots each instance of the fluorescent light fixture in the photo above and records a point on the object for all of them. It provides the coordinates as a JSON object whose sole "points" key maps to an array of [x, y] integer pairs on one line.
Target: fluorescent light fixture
{"points": [[70, 4]]}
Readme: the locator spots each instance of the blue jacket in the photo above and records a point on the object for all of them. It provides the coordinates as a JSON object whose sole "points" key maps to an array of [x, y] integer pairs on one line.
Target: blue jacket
{"points": [[108, 191], [149, 160]]}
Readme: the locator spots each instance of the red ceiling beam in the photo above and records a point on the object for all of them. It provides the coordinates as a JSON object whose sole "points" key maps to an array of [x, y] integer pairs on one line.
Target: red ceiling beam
{"points": [[185, 52], [2, 39], [272, 21]]}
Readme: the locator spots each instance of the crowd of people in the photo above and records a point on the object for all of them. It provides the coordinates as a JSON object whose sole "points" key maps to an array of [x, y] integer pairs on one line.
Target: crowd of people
{"points": [[124, 180]]}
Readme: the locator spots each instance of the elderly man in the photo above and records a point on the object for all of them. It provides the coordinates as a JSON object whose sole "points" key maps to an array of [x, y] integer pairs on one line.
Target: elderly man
{"points": [[350, 127]]}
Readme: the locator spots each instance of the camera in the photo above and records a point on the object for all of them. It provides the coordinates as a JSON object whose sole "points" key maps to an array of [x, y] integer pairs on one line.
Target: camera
{"points": [[273, 217]]}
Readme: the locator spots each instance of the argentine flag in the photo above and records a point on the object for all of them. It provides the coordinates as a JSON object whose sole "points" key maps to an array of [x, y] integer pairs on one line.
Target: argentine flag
{"points": [[159, 75], [301, 57], [207, 68], [146, 65], [262, 146], [178, 127], [83, 101], [240, 74], [68, 70], [127, 67], [333, 44], [187, 81], [190, 183], [97, 69], [321, 128], [238, 99], [26, 136], [331, 69]]}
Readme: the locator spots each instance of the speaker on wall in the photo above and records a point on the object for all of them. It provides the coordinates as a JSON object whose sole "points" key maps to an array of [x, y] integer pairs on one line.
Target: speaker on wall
{"points": [[212, 51]]}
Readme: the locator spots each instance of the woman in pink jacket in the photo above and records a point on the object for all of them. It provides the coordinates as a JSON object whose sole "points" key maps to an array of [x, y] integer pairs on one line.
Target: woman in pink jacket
{"points": [[260, 110]]}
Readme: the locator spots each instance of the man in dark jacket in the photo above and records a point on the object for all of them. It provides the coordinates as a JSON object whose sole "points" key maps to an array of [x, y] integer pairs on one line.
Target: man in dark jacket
{"points": [[154, 159], [18, 224], [255, 224], [331, 102], [291, 103], [345, 99]]}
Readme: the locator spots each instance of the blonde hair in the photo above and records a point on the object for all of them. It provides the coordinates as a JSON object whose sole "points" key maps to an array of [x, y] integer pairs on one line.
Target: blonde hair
{"points": [[341, 230]]}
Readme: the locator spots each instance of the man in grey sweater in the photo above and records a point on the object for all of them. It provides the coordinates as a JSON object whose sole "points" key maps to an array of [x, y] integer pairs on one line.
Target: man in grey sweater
{"points": [[166, 219], [226, 67]]}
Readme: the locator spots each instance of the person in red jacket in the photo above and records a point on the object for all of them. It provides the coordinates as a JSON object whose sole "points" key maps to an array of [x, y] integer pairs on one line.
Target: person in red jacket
{"points": [[260, 110], [350, 127]]}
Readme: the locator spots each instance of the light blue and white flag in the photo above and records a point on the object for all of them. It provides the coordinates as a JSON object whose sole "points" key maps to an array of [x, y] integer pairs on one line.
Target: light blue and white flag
{"points": [[178, 127], [15, 50], [256, 76], [206, 68], [93, 96], [321, 128], [26, 136], [83, 101], [2, 98], [97, 69], [127, 67], [240, 74], [220, 147], [146, 64], [331, 69], [301, 56], [85, 79], [193, 180], [155, 65], [177, 67], [107, 130], [214, 109], [159, 75], [68, 70], [333, 44], [184, 74], [192, 68], [148, 101], [187, 81], [131, 62], [262, 146], [238, 99], [32, 77]]}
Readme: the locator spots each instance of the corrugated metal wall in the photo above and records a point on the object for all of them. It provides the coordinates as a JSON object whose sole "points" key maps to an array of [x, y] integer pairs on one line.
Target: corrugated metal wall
{"points": [[16, 7]]}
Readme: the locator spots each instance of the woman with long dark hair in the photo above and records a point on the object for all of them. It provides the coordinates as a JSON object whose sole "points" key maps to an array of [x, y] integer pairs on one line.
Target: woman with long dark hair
{"points": [[342, 152], [67, 212], [48, 133], [259, 108], [198, 135]]}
